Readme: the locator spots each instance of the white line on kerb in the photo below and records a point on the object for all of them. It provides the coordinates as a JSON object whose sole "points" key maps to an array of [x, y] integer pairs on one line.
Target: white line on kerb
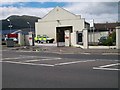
{"points": [[66, 63]]}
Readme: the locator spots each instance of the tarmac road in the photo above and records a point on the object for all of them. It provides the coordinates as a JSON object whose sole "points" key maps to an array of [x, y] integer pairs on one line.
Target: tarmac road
{"points": [[26, 69]]}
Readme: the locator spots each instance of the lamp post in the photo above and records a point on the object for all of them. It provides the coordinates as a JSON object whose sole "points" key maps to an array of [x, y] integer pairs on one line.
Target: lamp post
{"points": [[93, 32], [10, 26], [29, 25]]}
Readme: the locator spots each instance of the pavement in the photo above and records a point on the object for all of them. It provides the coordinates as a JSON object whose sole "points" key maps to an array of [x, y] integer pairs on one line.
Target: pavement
{"points": [[52, 48]]}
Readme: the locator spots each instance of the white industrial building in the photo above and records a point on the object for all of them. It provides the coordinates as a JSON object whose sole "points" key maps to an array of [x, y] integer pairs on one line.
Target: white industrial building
{"points": [[65, 27]]}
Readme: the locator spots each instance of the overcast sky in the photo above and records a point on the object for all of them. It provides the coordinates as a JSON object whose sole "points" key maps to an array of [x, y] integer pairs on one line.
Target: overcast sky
{"points": [[99, 11]]}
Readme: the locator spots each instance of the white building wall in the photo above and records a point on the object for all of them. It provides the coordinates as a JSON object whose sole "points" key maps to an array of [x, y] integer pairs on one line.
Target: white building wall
{"points": [[46, 28], [78, 24]]}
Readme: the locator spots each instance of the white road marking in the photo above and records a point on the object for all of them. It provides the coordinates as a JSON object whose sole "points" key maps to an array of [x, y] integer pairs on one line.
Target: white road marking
{"points": [[4, 50], [66, 63], [109, 65], [18, 57], [112, 69], [24, 57], [86, 53], [106, 60], [110, 53], [51, 59], [31, 60], [27, 51], [106, 67], [49, 65], [42, 60]]}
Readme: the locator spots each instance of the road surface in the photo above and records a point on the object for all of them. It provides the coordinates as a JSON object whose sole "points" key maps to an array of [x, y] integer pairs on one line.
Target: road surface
{"points": [[30, 69]]}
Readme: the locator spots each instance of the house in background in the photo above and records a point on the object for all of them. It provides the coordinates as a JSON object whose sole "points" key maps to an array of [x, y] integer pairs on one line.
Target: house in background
{"points": [[65, 27], [101, 29]]}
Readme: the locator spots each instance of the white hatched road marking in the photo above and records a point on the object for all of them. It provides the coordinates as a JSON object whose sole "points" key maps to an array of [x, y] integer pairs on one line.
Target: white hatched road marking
{"points": [[50, 65], [27, 62], [41, 59]]}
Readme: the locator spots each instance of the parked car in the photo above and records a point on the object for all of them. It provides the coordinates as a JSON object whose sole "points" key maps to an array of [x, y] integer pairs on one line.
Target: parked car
{"points": [[102, 40], [43, 39], [3, 41], [14, 39]]}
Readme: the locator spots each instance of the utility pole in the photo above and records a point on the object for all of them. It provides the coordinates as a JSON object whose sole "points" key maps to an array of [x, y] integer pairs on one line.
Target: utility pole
{"points": [[29, 25], [93, 32], [10, 26], [92, 28]]}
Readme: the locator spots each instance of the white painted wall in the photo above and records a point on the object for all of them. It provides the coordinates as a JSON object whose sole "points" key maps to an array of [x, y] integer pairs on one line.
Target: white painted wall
{"points": [[27, 40], [21, 40], [96, 36], [85, 38]]}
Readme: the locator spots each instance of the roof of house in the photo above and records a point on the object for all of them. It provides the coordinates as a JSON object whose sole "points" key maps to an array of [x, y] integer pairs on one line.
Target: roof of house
{"points": [[106, 26]]}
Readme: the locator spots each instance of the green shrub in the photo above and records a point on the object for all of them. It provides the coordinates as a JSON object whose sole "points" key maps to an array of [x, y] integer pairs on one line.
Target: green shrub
{"points": [[111, 40], [108, 42]]}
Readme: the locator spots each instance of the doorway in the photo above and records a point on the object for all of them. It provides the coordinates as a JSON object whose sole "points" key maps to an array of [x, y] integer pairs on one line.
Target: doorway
{"points": [[80, 38], [63, 36]]}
